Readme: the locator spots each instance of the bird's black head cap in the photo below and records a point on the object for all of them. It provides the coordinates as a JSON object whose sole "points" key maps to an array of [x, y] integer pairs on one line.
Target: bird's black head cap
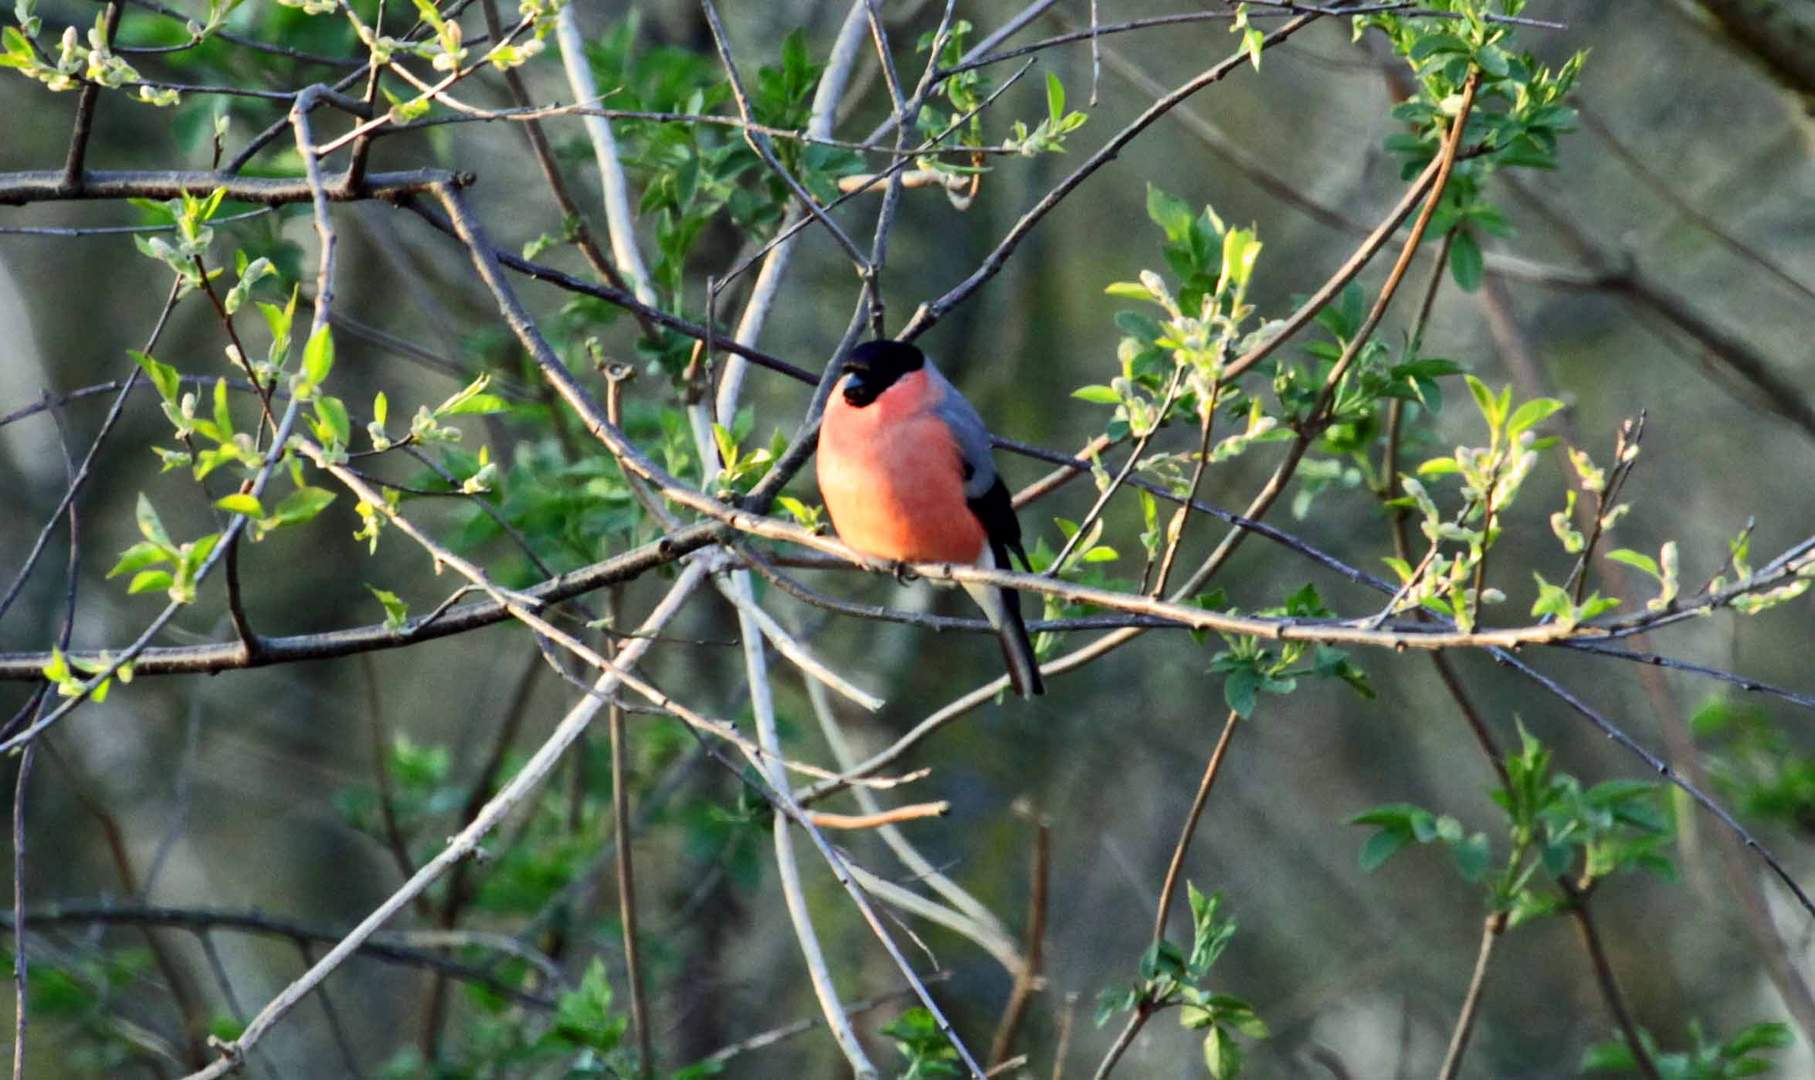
{"points": [[873, 367]]}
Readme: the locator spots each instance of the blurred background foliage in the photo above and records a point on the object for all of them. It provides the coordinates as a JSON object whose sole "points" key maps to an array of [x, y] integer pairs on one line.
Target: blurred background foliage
{"points": [[1674, 237]]}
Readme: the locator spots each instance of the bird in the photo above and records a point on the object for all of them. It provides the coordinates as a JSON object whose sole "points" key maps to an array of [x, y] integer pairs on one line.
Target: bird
{"points": [[906, 473]]}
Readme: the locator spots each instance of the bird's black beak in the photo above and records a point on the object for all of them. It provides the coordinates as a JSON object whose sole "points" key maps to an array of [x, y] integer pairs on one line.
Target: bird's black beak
{"points": [[858, 390]]}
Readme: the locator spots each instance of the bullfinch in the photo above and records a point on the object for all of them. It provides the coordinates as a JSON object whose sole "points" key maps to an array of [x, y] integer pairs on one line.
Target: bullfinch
{"points": [[906, 473]]}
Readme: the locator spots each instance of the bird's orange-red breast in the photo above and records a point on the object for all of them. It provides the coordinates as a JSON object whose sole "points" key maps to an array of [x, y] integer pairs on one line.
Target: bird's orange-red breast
{"points": [[893, 479]]}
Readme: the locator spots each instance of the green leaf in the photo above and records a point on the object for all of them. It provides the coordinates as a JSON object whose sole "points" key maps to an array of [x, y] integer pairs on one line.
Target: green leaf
{"points": [[318, 356], [1172, 214], [396, 612], [1203, 910], [56, 669], [1485, 401], [301, 505], [1221, 1054], [240, 503], [1636, 560], [1397, 815], [1240, 687], [1767, 1036], [1055, 98], [478, 405], [1554, 601], [798, 510], [1615, 1057], [149, 580], [1241, 250], [583, 1016], [1530, 415], [1097, 395], [150, 524], [223, 414], [138, 557], [457, 404], [1465, 261], [1472, 856], [163, 376], [331, 412], [1382, 846]]}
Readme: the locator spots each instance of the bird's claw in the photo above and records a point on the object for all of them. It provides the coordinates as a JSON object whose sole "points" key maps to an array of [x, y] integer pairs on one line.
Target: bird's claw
{"points": [[903, 573]]}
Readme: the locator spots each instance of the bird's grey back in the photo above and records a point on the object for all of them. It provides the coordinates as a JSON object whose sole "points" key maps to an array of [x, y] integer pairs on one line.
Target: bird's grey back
{"points": [[967, 428]]}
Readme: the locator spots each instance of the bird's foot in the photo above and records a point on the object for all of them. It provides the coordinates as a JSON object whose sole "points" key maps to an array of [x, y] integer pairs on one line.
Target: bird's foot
{"points": [[903, 572]]}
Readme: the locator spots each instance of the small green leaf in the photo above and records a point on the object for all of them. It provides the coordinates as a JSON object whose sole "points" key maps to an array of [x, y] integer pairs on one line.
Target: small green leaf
{"points": [[1465, 262], [396, 612], [1636, 560], [301, 505], [1382, 846], [163, 376], [1171, 213], [1097, 395], [478, 405], [318, 356], [1614, 1057], [1485, 401], [150, 524], [460, 401], [149, 580], [335, 426], [1531, 414], [239, 503], [1221, 1054], [138, 557]]}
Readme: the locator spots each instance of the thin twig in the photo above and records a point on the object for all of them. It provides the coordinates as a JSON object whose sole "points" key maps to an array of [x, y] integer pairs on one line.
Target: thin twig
{"points": [[1491, 929], [19, 952], [1610, 985], [1028, 979], [1175, 866], [627, 891]]}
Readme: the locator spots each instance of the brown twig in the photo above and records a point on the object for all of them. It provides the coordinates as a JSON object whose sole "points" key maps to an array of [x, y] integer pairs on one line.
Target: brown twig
{"points": [[627, 892], [1610, 984], [20, 964], [1491, 929], [1176, 865], [1028, 979], [86, 100]]}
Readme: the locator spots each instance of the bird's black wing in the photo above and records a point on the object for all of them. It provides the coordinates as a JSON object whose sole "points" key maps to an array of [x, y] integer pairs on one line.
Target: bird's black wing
{"points": [[995, 508]]}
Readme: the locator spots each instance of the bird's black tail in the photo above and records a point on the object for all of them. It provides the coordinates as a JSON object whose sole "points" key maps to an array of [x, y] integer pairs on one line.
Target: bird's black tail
{"points": [[1017, 650], [995, 509], [1003, 609]]}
